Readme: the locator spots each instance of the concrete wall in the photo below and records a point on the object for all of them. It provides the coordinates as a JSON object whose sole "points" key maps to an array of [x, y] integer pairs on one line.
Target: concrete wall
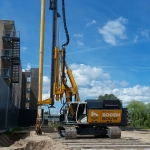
{"points": [[12, 117], [8, 111], [4, 96], [34, 88]]}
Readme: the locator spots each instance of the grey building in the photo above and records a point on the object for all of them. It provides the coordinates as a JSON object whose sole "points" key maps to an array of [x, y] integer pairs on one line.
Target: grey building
{"points": [[10, 74], [30, 89], [10, 66]]}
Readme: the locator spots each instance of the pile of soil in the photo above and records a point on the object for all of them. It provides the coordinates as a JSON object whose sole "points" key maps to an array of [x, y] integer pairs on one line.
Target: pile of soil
{"points": [[36, 142], [8, 140]]}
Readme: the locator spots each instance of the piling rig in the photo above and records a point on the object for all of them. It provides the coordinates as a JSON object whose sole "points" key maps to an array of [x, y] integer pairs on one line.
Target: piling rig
{"points": [[88, 118]]}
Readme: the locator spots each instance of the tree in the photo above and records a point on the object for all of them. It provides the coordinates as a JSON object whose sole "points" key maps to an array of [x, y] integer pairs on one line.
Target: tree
{"points": [[148, 108], [138, 113], [107, 97], [46, 112]]}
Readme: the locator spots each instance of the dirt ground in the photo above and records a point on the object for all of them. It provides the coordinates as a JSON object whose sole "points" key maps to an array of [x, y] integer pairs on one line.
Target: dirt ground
{"points": [[47, 141], [142, 136]]}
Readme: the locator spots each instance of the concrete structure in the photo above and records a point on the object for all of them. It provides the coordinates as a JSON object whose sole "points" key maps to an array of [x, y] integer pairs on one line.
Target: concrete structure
{"points": [[30, 89], [10, 67]]}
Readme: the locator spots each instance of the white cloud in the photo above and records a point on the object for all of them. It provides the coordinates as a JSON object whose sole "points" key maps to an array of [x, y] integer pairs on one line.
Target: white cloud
{"points": [[90, 23], [28, 66], [114, 30], [93, 81], [145, 33], [46, 87], [46, 83], [141, 93], [136, 39], [80, 43], [45, 95], [78, 35], [24, 48], [85, 74]]}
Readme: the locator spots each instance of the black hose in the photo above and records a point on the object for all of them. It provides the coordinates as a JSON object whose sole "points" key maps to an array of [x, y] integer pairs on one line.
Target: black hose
{"points": [[62, 107], [65, 26]]}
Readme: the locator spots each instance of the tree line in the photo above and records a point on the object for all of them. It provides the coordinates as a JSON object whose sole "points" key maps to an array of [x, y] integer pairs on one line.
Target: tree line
{"points": [[138, 112]]}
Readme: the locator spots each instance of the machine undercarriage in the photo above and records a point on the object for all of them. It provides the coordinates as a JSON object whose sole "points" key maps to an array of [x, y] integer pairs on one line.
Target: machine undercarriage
{"points": [[89, 131]]}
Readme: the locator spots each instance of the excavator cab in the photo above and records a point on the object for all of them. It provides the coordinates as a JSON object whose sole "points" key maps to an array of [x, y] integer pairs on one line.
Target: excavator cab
{"points": [[73, 112]]}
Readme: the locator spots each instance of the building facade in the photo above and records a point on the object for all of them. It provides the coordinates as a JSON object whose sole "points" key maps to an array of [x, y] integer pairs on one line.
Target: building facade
{"points": [[10, 74], [10, 66], [30, 88]]}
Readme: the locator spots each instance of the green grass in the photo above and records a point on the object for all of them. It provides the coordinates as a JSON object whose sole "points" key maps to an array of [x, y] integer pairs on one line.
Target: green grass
{"points": [[9, 132]]}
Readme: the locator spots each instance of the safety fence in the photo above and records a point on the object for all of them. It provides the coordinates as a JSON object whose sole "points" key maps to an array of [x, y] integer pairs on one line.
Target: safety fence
{"points": [[8, 111]]}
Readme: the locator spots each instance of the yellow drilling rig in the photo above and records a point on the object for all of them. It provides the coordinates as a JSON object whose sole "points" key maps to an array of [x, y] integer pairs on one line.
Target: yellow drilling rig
{"points": [[91, 117]]}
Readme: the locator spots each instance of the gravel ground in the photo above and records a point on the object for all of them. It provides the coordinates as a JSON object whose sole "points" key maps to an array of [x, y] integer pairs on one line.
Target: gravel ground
{"points": [[142, 136], [46, 141]]}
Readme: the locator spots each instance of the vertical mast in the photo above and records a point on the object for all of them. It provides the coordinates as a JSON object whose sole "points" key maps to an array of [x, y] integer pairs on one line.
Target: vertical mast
{"points": [[53, 7], [42, 24], [40, 86]]}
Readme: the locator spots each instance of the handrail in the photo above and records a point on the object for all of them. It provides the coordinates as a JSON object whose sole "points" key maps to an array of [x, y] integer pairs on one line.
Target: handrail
{"points": [[10, 52], [5, 72], [6, 52], [10, 33]]}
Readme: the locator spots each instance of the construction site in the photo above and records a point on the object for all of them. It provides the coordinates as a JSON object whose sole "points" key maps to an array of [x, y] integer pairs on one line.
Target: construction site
{"points": [[89, 124]]}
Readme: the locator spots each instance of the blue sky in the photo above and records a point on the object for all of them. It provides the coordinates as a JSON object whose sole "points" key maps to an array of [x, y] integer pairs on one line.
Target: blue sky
{"points": [[109, 49]]}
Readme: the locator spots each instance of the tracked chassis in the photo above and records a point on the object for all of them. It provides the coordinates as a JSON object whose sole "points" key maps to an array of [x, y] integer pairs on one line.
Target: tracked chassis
{"points": [[80, 131]]}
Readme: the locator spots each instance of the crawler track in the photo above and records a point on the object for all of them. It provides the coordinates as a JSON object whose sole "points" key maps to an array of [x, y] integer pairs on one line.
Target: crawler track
{"points": [[104, 143]]}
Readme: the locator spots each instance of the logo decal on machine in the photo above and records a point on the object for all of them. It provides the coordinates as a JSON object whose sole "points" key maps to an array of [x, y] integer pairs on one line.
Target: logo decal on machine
{"points": [[110, 116], [94, 115]]}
